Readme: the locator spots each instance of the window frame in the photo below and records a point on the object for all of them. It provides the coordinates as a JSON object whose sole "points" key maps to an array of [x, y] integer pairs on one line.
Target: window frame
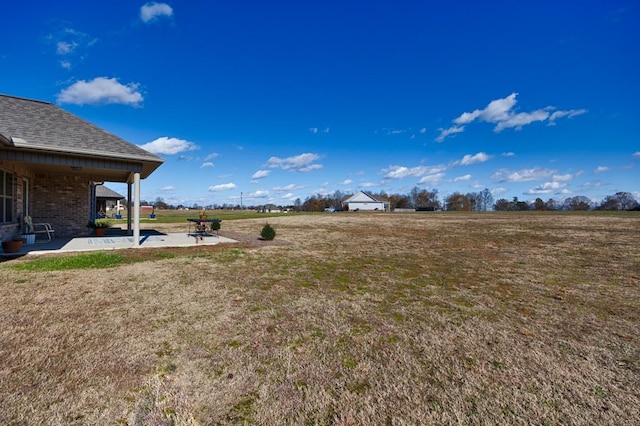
{"points": [[7, 196]]}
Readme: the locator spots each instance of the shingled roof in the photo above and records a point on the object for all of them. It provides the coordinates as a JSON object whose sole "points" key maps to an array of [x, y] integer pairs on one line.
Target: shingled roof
{"points": [[41, 128], [104, 192]]}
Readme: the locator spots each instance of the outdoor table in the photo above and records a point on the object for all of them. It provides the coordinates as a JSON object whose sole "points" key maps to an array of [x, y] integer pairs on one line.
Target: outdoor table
{"points": [[200, 226]]}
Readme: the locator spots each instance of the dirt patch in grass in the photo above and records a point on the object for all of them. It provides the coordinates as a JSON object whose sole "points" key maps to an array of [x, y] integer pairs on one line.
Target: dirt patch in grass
{"points": [[343, 319]]}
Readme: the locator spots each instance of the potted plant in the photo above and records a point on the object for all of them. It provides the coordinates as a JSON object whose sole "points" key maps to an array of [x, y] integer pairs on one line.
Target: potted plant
{"points": [[99, 227], [28, 235], [13, 245], [215, 225], [203, 215]]}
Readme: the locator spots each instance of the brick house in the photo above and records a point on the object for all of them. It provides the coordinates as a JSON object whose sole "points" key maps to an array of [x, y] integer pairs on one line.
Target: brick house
{"points": [[106, 200], [51, 162]]}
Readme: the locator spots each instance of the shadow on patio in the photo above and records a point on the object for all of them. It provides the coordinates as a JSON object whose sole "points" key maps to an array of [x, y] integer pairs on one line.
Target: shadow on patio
{"points": [[115, 238]]}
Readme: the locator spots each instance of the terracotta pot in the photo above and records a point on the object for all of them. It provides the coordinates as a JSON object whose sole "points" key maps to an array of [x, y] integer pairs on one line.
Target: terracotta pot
{"points": [[12, 246], [98, 232]]}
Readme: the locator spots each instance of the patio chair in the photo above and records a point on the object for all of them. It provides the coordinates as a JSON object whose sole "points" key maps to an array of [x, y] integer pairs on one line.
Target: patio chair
{"points": [[39, 228]]}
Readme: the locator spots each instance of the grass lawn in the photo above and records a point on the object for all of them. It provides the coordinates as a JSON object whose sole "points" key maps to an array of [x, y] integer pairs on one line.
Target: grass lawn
{"points": [[362, 319]]}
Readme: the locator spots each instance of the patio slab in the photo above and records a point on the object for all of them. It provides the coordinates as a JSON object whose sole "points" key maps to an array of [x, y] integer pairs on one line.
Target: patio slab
{"points": [[115, 242]]}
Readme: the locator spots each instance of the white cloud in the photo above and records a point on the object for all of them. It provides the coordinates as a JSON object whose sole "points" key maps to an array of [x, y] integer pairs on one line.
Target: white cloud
{"points": [[66, 47], [290, 187], [100, 90], [462, 178], [423, 130], [153, 10], [71, 44], [346, 182], [521, 119], [400, 172], [601, 169], [260, 174], [206, 165], [524, 175], [468, 159], [211, 156], [222, 187], [300, 163], [432, 179], [169, 146], [258, 194], [562, 178], [500, 112], [450, 131], [636, 154], [508, 154], [313, 130], [168, 188], [569, 113], [546, 188], [496, 111]]}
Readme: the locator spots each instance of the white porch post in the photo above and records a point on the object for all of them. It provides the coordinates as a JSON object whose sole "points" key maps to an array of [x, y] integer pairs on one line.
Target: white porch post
{"points": [[129, 209], [136, 209]]}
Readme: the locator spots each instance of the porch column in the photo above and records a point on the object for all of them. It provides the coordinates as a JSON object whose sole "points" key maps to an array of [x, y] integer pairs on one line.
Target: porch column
{"points": [[136, 209], [129, 208]]}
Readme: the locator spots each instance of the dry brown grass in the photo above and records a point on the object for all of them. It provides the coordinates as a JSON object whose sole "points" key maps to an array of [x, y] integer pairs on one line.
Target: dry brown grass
{"points": [[361, 319]]}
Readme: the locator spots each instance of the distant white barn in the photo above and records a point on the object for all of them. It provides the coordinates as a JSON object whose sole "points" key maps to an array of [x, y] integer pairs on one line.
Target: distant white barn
{"points": [[365, 201]]}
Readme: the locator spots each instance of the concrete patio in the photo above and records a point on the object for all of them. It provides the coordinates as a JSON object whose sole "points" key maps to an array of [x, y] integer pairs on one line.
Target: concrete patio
{"points": [[114, 241]]}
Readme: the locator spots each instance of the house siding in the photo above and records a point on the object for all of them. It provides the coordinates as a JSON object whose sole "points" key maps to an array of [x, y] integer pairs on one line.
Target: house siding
{"points": [[366, 206], [62, 201]]}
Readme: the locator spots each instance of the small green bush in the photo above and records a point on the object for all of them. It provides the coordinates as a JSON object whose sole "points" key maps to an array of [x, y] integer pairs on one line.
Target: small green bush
{"points": [[268, 233]]}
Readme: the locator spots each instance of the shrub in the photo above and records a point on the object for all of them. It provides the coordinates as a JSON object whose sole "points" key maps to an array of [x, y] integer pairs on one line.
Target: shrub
{"points": [[268, 233]]}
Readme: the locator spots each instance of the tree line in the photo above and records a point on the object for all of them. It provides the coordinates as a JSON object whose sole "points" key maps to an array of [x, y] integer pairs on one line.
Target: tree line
{"points": [[472, 201], [418, 198]]}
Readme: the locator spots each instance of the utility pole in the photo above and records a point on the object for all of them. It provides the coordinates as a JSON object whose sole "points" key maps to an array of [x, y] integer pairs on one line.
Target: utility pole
{"points": [[241, 201]]}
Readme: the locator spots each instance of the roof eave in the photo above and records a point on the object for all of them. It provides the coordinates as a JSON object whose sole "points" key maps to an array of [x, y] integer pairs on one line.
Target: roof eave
{"points": [[21, 143]]}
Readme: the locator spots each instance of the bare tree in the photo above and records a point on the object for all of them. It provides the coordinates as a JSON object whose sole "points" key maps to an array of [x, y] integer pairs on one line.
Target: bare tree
{"points": [[485, 200]]}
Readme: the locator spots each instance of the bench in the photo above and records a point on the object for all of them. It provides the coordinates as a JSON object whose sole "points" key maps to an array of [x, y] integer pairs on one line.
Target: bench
{"points": [[43, 228]]}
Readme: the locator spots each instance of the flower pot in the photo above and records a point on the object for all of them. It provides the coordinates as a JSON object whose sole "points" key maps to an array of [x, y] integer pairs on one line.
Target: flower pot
{"points": [[152, 216], [12, 246], [203, 218], [118, 216], [99, 232], [29, 239]]}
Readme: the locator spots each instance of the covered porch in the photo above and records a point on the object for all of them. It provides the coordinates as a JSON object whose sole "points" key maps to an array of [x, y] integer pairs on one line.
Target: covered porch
{"points": [[50, 164]]}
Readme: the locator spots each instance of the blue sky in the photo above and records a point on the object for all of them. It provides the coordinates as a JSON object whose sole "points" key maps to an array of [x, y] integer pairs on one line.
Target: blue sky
{"points": [[278, 100]]}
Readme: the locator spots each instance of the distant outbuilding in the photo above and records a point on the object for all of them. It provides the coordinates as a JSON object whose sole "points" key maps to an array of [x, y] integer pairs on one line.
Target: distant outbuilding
{"points": [[365, 201]]}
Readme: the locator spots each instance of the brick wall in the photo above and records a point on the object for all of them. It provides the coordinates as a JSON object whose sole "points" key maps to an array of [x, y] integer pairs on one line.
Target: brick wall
{"points": [[61, 200]]}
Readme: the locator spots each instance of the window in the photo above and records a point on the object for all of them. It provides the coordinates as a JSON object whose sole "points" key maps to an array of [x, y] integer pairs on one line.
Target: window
{"points": [[6, 196]]}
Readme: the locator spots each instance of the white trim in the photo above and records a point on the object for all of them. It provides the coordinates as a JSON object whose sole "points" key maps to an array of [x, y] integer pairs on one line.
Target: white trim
{"points": [[136, 209]]}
